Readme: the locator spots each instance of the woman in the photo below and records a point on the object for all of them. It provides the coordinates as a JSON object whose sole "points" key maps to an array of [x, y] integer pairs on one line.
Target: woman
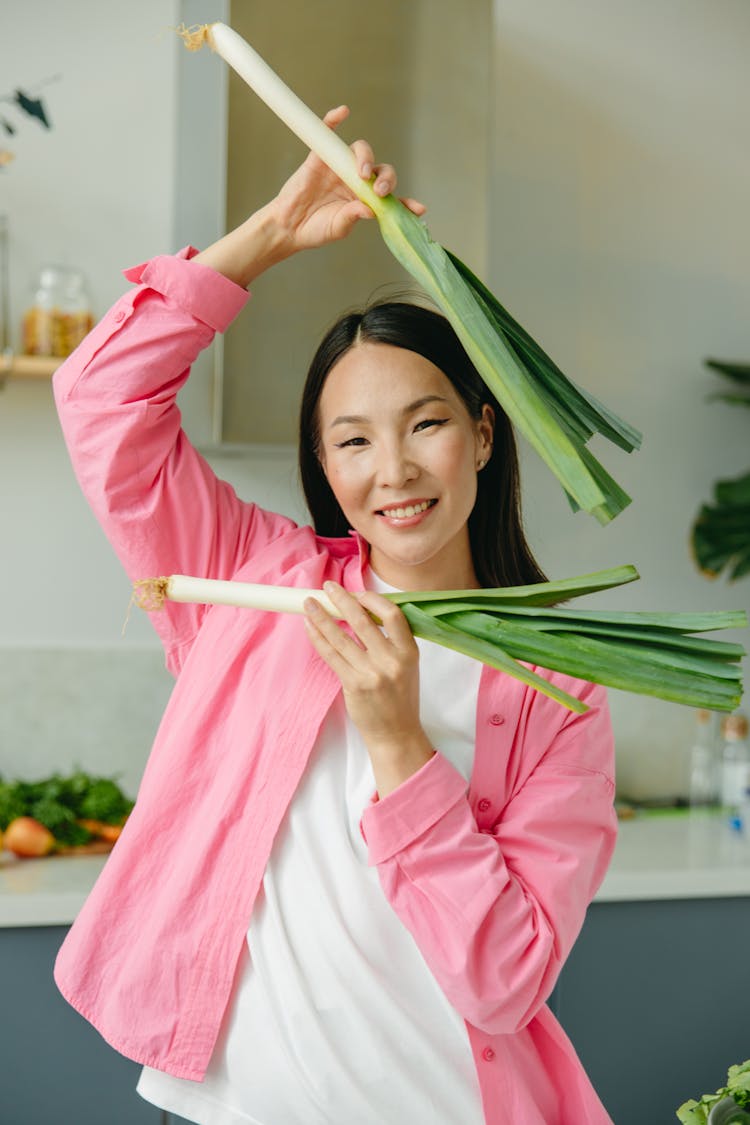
{"points": [[357, 862]]}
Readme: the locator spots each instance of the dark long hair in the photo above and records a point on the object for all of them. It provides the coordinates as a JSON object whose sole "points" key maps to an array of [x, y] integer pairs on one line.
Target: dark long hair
{"points": [[500, 553]]}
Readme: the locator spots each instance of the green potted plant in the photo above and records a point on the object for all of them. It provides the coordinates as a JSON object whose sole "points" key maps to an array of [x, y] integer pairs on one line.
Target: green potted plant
{"points": [[721, 531], [730, 1105]]}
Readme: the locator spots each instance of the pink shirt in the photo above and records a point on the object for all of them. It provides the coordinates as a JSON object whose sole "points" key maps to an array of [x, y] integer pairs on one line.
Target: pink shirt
{"points": [[492, 880]]}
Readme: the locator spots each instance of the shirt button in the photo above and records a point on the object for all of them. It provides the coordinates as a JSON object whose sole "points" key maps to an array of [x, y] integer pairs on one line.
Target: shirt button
{"points": [[119, 317], [484, 804], [488, 1054], [497, 720]]}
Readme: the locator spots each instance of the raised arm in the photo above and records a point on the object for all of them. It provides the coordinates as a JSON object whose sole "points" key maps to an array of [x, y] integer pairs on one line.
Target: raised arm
{"points": [[158, 501]]}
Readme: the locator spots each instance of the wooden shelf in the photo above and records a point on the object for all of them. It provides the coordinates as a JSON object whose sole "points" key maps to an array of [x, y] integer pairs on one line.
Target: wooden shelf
{"points": [[28, 367]]}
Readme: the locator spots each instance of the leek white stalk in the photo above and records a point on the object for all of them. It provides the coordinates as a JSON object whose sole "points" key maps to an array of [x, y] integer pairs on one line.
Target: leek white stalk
{"points": [[151, 593], [313, 132], [555, 415]]}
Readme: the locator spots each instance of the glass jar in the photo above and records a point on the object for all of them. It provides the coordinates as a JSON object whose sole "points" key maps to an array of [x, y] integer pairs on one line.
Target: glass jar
{"points": [[59, 315]]}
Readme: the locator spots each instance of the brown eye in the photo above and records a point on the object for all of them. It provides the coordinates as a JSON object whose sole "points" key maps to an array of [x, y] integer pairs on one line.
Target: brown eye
{"points": [[355, 441]]}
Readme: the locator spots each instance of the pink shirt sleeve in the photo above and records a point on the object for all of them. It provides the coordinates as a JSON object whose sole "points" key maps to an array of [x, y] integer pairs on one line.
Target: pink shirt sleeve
{"points": [[158, 501], [495, 911]]}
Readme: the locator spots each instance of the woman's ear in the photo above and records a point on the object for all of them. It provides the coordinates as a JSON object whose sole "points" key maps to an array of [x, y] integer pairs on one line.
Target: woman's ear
{"points": [[485, 433]]}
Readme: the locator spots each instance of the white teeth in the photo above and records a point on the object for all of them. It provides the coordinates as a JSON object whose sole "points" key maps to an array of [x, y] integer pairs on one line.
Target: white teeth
{"points": [[405, 513]]}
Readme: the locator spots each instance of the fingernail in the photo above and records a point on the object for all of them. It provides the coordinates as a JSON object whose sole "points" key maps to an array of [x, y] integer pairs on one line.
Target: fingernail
{"points": [[381, 187], [366, 171]]}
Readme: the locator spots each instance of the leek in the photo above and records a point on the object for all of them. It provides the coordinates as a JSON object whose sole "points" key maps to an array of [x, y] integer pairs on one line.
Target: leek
{"points": [[511, 627], [555, 415]]}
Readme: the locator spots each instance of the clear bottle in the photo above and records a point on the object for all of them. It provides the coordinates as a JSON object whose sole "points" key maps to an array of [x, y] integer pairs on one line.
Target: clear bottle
{"points": [[743, 816], [704, 765], [59, 315], [735, 762]]}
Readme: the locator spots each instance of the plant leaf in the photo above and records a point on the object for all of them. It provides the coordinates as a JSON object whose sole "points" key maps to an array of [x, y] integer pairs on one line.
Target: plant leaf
{"points": [[581, 411], [740, 372], [538, 593], [502, 366], [439, 632], [624, 665]]}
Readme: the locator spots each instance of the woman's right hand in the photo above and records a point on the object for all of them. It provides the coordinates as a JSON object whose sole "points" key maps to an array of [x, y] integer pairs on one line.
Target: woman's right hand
{"points": [[313, 207]]}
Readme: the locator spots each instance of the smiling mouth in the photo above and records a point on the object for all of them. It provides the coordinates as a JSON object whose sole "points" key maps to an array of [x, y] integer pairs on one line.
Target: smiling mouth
{"points": [[407, 511]]}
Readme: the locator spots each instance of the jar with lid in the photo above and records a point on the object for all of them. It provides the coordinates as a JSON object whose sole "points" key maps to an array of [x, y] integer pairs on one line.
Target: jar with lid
{"points": [[59, 315]]}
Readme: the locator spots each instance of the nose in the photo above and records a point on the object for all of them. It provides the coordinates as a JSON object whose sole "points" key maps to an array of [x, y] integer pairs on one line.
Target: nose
{"points": [[395, 466]]}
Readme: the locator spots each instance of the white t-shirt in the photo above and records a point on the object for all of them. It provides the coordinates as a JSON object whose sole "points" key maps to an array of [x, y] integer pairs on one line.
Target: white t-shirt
{"points": [[335, 1016]]}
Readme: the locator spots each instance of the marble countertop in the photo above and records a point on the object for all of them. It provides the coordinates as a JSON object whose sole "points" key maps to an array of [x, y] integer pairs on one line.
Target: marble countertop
{"points": [[45, 892], [681, 854], [658, 856]]}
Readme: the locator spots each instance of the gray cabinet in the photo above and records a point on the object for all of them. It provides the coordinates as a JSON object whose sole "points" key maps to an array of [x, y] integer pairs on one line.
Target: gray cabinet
{"points": [[655, 999], [56, 1068]]}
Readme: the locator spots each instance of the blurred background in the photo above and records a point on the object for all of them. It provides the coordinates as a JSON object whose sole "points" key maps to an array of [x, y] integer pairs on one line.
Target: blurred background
{"points": [[591, 160]]}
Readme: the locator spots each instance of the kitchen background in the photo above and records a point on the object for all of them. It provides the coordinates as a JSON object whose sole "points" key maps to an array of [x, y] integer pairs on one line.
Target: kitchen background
{"points": [[614, 209]]}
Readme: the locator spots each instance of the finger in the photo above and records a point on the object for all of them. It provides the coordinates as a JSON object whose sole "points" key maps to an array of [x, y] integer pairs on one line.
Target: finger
{"points": [[326, 651], [365, 158], [349, 216], [393, 620], [359, 620], [385, 179], [347, 648], [335, 116], [332, 119], [414, 205]]}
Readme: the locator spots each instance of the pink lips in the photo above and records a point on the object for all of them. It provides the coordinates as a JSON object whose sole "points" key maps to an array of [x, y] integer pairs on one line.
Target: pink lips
{"points": [[406, 521]]}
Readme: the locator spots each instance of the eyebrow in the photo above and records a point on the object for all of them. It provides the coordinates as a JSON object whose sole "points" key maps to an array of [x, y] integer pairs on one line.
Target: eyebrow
{"points": [[358, 419]]}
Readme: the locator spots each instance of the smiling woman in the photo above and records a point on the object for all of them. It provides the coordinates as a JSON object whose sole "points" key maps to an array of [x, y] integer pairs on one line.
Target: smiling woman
{"points": [[404, 478], [399, 844], [403, 361]]}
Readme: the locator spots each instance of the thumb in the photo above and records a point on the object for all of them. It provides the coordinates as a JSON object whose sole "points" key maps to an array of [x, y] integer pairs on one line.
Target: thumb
{"points": [[349, 216]]}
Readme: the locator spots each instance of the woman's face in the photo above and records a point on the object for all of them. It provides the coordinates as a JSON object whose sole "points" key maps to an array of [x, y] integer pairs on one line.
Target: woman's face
{"points": [[400, 452]]}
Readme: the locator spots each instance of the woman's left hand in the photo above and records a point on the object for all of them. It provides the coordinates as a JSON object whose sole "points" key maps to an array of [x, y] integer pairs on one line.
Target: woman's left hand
{"points": [[379, 671]]}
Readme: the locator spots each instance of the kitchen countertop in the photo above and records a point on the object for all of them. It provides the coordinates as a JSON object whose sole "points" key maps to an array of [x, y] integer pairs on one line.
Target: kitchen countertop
{"points": [[658, 856], [677, 854], [45, 892]]}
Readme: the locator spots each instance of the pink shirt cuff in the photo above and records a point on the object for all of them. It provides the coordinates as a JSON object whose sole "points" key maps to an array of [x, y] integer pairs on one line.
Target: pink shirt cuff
{"points": [[392, 823], [203, 292]]}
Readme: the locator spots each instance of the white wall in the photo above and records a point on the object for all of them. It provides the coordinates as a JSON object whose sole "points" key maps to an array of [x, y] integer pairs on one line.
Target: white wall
{"points": [[96, 191], [619, 238]]}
